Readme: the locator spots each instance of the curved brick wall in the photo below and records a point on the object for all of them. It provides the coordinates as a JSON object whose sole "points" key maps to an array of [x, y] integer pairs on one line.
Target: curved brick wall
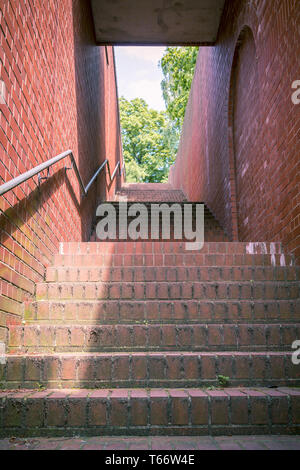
{"points": [[240, 144], [244, 108]]}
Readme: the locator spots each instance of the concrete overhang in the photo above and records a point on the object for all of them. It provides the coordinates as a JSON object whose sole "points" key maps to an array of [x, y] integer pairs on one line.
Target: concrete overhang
{"points": [[157, 22]]}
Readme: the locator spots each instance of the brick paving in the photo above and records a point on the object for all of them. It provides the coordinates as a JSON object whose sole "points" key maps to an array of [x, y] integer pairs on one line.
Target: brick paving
{"points": [[155, 443]]}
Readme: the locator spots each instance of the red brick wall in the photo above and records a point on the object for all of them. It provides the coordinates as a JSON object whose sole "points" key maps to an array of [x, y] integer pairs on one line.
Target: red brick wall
{"points": [[61, 94], [240, 146]]}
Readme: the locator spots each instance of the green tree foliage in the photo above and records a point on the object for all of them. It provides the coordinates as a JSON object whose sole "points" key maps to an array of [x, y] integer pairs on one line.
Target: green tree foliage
{"points": [[148, 146], [178, 66], [151, 138]]}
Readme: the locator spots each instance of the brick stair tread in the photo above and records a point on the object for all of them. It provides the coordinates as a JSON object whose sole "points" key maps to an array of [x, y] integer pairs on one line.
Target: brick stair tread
{"points": [[153, 192], [165, 311], [218, 290], [158, 259], [211, 282], [148, 369], [152, 187], [187, 299], [172, 247], [172, 274], [192, 337], [161, 201], [96, 323], [151, 353], [157, 411], [237, 282], [162, 392], [177, 325], [147, 187]]}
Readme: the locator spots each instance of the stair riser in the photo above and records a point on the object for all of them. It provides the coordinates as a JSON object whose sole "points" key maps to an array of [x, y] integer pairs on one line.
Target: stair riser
{"points": [[165, 412], [112, 312], [149, 370], [211, 234], [169, 291], [196, 259], [213, 231], [171, 274], [150, 337], [168, 195], [124, 247]]}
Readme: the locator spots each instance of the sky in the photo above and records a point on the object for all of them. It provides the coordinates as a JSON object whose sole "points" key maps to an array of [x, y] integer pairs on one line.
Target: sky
{"points": [[138, 74]]}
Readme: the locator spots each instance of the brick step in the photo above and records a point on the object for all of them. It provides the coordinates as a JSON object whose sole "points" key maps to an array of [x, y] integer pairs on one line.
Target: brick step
{"points": [[158, 215], [148, 205], [211, 234], [212, 229], [126, 205], [196, 337], [150, 192], [184, 259], [234, 411], [132, 196], [162, 311], [148, 369], [169, 290], [171, 274], [165, 247]]}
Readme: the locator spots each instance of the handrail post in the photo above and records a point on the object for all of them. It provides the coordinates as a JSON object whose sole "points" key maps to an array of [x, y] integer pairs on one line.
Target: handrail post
{"points": [[4, 188], [108, 167]]}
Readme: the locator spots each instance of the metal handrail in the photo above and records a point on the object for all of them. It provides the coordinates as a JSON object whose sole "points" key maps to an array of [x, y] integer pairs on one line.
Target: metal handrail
{"points": [[4, 188]]}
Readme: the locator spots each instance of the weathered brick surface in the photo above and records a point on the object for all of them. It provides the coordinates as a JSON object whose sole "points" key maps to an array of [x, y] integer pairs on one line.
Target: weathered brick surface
{"points": [[153, 311], [168, 290], [149, 369], [169, 411], [173, 259], [168, 247], [212, 229], [180, 273], [155, 192], [55, 101], [157, 443], [241, 124], [201, 337]]}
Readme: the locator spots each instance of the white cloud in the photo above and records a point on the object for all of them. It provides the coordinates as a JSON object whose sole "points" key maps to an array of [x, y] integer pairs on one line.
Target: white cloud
{"points": [[139, 75], [149, 90], [148, 53]]}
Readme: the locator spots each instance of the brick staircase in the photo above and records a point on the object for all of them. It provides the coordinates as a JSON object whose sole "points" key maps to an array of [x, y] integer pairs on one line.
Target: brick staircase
{"points": [[130, 338], [162, 194]]}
